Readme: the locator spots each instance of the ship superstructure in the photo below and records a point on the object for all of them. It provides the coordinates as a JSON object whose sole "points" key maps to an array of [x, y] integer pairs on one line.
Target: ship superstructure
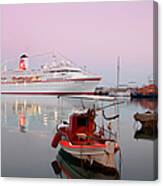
{"points": [[60, 77]]}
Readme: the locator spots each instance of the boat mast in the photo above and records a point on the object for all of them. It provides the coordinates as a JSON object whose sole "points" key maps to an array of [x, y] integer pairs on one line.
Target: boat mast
{"points": [[118, 71], [117, 106]]}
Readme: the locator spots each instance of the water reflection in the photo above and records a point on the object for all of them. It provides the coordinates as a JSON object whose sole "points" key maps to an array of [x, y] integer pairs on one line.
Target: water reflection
{"points": [[29, 123], [150, 104], [23, 125], [148, 133], [84, 167], [26, 109]]}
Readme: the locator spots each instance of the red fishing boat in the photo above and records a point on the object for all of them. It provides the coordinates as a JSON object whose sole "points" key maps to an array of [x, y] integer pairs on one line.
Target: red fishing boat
{"points": [[148, 91], [79, 135]]}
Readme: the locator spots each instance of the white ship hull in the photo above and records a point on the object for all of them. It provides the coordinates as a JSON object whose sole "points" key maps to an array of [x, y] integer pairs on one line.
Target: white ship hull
{"points": [[60, 87], [60, 77]]}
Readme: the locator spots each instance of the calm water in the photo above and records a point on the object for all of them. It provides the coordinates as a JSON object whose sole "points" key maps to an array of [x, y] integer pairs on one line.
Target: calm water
{"points": [[28, 124]]}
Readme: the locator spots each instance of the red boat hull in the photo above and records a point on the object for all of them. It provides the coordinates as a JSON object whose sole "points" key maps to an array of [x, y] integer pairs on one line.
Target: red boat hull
{"points": [[88, 149]]}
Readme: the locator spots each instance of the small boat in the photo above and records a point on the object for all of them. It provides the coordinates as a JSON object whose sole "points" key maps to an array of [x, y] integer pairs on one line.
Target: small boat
{"points": [[148, 129], [147, 119], [79, 136]]}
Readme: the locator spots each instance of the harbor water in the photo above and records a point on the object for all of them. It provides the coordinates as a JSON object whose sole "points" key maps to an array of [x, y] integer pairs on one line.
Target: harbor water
{"points": [[28, 124]]}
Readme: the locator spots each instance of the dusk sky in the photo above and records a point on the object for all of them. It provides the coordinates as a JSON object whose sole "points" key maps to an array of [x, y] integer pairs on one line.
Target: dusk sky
{"points": [[91, 34]]}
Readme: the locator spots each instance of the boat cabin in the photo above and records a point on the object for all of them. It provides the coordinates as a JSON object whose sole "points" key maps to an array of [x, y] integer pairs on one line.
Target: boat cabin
{"points": [[81, 127]]}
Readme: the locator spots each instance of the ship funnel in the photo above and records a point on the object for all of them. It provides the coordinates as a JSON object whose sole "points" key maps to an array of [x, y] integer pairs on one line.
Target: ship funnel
{"points": [[23, 63]]}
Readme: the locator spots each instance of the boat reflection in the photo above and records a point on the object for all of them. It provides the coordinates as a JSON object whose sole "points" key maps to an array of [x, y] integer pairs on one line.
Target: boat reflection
{"points": [[23, 125], [32, 112], [149, 133], [85, 167], [150, 104], [23, 106]]}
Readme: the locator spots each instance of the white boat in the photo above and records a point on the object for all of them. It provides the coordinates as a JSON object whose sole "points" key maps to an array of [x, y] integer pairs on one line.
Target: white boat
{"points": [[61, 77]]}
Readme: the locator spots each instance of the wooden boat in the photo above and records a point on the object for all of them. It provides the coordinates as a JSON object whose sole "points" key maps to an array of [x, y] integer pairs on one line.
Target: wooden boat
{"points": [[79, 136], [147, 118], [148, 129]]}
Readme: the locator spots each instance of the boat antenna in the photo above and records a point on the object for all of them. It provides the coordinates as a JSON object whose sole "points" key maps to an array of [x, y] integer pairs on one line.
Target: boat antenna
{"points": [[65, 57], [118, 71], [82, 102]]}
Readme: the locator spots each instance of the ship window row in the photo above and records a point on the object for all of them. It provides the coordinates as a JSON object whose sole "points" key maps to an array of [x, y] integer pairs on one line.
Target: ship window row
{"points": [[52, 71]]}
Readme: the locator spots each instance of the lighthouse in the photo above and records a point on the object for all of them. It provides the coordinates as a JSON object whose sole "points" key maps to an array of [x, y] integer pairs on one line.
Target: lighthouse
{"points": [[23, 63]]}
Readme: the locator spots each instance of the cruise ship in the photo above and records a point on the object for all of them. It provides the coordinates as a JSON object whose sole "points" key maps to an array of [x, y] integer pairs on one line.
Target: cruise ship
{"points": [[59, 77]]}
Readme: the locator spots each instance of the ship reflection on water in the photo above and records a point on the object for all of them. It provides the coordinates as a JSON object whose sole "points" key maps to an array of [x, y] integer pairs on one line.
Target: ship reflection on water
{"points": [[150, 104], [29, 123]]}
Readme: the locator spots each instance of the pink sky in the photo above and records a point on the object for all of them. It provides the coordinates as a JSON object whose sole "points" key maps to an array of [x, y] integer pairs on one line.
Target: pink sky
{"points": [[91, 34]]}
